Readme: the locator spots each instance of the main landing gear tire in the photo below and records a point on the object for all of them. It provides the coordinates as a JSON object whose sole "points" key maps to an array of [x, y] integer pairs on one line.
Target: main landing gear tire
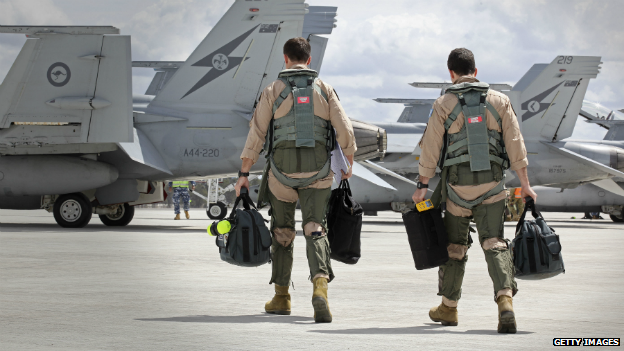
{"points": [[72, 210], [617, 219], [217, 211], [121, 218]]}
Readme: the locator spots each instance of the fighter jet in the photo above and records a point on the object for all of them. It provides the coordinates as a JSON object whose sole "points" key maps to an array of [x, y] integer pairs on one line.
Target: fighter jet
{"points": [[71, 143], [601, 196], [547, 100]]}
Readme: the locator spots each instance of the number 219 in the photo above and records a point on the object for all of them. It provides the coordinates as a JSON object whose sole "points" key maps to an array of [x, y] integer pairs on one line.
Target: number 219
{"points": [[564, 60]]}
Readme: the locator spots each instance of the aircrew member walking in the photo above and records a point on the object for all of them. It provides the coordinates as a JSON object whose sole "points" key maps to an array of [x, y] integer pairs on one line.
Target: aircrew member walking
{"points": [[296, 116], [181, 190], [473, 136]]}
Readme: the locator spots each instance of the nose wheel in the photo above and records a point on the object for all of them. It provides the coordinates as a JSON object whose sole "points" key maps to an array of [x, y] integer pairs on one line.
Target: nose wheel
{"points": [[72, 210]]}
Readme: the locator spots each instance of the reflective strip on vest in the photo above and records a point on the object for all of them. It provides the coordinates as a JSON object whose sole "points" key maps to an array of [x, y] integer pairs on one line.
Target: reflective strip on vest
{"points": [[180, 184]]}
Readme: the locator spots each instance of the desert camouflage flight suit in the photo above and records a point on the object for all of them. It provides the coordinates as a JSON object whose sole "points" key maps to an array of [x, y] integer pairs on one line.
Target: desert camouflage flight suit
{"points": [[306, 163], [489, 214]]}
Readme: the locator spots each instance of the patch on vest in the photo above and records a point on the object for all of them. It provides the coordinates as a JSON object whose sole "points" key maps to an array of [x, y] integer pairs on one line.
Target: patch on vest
{"points": [[475, 119], [303, 100]]}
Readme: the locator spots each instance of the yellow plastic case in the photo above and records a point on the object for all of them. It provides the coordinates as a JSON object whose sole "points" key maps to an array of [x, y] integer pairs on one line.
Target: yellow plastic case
{"points": [[424, 206]]}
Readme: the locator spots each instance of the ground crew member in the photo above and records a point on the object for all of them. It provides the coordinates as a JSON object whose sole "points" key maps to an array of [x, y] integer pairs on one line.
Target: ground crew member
{"points": [[299, 112], [482, 140], [181, 190]]}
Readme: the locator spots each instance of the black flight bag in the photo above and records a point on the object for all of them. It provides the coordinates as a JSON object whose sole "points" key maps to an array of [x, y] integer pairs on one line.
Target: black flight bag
{"points": [[248, 243], [427, 237], [344, 225], [536, 248]]}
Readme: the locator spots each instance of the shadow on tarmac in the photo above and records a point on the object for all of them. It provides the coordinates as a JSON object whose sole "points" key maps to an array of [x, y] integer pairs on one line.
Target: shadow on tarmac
{"points": [[384, 222], [428, 328], [29, 227], [254, 318]]}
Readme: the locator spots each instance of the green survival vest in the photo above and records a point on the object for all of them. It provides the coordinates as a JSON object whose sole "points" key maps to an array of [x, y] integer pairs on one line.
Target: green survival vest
{"points": [[475, 155], [299, 141], [180, 184]]}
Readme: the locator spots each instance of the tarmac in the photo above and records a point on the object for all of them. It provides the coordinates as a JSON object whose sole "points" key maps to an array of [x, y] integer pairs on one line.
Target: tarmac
{"points": [[159, 284]]}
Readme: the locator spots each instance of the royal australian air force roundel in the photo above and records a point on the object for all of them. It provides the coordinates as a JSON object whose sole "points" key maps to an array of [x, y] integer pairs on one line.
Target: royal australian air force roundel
{"points": [[59, 74]]}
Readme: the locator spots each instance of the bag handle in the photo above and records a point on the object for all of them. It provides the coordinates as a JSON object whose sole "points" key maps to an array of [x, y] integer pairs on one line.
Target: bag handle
{"points": [[344, 185], [529, 204], [247, 201]]}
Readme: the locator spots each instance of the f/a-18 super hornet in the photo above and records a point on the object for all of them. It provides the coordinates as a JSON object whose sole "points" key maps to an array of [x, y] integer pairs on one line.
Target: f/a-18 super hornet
{"points": [[72, 143], [547, 101], [594, 197]]}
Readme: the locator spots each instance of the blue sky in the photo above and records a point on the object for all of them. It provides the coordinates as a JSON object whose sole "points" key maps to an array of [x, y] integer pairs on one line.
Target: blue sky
{"points": [[378, 47]]}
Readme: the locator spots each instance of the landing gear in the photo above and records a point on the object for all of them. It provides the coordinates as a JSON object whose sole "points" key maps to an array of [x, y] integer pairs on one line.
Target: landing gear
{"points": [[617, 219], [121, 218], [72, 210], [217, 211]]}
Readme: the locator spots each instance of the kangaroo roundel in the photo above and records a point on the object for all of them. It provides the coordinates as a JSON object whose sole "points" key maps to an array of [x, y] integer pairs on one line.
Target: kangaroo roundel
{"points": [[220, 62], [58, 74], [534, 106]]}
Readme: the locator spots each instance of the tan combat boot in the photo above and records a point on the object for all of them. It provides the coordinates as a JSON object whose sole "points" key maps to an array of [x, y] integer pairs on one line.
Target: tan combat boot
{"points": [[188, 216], [280, 304], [320, 302], [177, 217], [506, 317], [444, 314]]}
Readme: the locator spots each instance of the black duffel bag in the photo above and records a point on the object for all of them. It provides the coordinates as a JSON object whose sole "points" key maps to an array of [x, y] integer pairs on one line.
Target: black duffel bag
{"points": [[248, 243], [344, 224], [536, 248], [427, 237]]}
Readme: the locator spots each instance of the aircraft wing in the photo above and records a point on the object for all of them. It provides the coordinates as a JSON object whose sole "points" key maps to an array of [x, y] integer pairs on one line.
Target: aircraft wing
{"points": [[609, 185], [142, 150], [495, 86], [405, 101], [584, 160], [365, 174], [383, 170]]}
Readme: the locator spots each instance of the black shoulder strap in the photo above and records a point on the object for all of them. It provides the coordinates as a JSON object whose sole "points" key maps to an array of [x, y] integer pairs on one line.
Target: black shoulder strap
{"points": [[283, 95]]}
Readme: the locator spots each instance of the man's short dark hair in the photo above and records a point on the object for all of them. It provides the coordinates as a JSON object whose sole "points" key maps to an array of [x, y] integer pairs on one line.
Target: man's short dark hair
{"points": [[297, 49], [461, 61]]}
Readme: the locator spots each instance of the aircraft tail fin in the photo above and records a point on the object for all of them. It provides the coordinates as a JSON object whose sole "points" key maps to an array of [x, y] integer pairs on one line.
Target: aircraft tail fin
{"points": [[241, 55], [548, 97], [616, 130], [415, 111], [68, 85]]}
